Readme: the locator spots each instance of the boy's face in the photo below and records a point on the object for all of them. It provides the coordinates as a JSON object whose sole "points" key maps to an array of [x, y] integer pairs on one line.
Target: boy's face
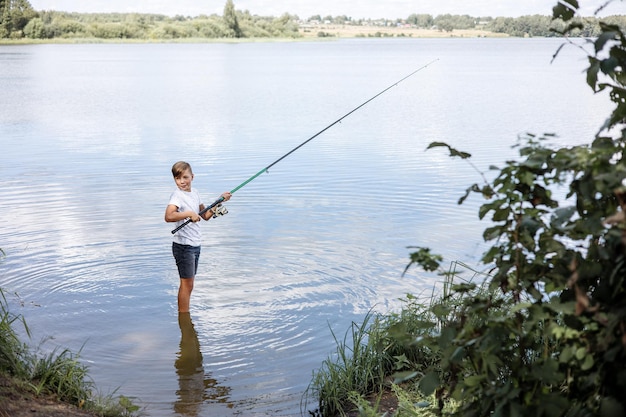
{"points": [[183, 182]]}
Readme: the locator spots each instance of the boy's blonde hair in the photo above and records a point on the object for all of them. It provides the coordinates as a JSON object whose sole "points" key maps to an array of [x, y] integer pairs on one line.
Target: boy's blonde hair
{"points": [[179, 167]]}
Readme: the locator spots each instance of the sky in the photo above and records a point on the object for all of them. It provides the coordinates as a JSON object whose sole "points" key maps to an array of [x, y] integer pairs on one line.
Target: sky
{"points": [[356, 9]]}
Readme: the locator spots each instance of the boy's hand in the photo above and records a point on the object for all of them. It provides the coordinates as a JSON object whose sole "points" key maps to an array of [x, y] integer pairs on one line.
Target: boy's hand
{"points": [[226, 196]]}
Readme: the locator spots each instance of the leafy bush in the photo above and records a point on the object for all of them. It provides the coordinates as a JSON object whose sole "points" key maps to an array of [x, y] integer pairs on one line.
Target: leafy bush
{"points": [[554, 342]]}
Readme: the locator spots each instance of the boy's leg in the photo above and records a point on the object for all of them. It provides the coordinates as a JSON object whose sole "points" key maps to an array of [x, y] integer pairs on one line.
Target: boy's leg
{"points": [[184, 294], [187, 258]]}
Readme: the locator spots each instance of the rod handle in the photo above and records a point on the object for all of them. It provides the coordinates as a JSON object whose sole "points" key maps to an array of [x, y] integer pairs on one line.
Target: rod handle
{"points": [[186, 222]]}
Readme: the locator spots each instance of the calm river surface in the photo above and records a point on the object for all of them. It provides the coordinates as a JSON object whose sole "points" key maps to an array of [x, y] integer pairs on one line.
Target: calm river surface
{"points": [[88, 134]]}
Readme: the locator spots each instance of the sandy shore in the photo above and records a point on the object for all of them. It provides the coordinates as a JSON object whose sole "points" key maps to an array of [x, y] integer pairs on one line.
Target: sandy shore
{"points": [[354, 31]]}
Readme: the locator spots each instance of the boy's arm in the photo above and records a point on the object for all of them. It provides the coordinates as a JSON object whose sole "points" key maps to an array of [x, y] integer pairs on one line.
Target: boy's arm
{"points": [[172, 215], [208, 215]]}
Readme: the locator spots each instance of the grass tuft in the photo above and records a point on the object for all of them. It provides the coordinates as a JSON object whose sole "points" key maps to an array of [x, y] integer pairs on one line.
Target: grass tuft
{"points": [[59, 372], [390, 353]]}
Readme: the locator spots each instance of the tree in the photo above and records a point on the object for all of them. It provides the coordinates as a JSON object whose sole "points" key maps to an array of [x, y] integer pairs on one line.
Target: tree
{"points": [[231, 21], [35, 29], [425, 21], [5, 18], [14, 16]]}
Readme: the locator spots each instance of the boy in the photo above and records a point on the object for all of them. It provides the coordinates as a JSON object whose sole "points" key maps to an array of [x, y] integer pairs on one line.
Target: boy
{"points": [[185, 203]]}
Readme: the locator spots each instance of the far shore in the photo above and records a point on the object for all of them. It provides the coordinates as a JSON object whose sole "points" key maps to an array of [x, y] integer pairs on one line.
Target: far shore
{"points": [[307, 32], [356, 31]]}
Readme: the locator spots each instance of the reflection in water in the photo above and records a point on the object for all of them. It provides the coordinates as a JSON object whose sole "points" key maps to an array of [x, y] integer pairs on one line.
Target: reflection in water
{"points": [[194, 386]]}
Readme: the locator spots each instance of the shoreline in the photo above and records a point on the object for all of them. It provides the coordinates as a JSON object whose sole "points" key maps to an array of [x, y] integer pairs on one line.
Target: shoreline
{"points": [[322, 32], [355, 31]]}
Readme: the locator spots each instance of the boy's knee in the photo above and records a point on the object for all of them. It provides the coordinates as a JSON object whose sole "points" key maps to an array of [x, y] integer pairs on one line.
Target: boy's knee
{"points": [[186, 283]]}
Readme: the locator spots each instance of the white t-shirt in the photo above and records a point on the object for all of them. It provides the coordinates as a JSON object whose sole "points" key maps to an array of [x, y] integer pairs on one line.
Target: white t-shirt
{"points": [[191, 234]]}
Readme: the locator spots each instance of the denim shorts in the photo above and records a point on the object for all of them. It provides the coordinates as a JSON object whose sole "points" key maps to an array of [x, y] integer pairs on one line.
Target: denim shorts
{"points": [[187, 258]]}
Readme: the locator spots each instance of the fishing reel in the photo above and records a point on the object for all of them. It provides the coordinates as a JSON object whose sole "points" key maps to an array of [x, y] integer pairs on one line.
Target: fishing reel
{"points": [[219, 210]]}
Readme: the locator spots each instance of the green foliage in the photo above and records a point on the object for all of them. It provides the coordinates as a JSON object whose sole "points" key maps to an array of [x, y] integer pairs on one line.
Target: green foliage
{"points": [[389, 351], [12, 351], [58, 372], [61, 373], [362, 405], [449, 22], [233, 24], [359, 365], [424, 21], [548, 335], [530, 26], [423, 257], [14, 16], [544, 332], [19, 20], [231, 21]]}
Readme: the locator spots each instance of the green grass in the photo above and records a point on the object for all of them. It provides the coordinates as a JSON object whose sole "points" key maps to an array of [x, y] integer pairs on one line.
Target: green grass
{"points": [[358, 365], [368, 358], [388, 353], [59, 372]]}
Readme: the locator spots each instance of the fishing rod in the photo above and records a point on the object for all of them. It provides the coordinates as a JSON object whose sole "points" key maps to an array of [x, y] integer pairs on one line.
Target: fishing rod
{"points": [[267, 168]]}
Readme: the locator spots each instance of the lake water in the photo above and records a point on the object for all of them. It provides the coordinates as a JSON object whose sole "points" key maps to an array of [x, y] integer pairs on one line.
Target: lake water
{"points": [[88, 134]]}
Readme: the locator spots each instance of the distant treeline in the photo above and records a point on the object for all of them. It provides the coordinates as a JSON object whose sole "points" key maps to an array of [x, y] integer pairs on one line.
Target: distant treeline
{"points": [[19, 20], [531, 26]]}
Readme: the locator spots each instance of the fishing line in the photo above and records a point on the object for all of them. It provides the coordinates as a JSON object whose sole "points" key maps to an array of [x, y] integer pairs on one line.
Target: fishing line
{"points": [[267, 168]]}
